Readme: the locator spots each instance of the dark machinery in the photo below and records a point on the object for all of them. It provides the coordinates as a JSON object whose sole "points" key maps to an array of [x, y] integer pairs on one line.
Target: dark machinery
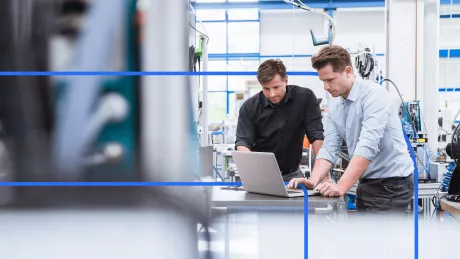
{"points": [[453, 150]]}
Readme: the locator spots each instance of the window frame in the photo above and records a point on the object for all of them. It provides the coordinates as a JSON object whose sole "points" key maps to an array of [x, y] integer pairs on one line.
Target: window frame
{"points": [[231, 56]]}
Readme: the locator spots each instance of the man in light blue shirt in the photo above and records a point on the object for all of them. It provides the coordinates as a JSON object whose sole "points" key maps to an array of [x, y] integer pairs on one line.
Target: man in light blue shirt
{"points": [[363, 116]]}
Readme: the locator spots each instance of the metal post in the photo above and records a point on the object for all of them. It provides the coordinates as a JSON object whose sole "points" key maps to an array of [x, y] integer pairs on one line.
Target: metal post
{"points": [[166, 119], [431, 72], [204, 109], [387, 41], [166, 127], [401, 36]]}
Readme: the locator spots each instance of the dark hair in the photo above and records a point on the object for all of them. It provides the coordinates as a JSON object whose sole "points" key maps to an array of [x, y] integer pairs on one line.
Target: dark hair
{"points": [[337, 56], [269, 69]]}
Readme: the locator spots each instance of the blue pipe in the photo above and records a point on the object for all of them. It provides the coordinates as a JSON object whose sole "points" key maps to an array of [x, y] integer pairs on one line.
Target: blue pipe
{"points": [[412, 154]]}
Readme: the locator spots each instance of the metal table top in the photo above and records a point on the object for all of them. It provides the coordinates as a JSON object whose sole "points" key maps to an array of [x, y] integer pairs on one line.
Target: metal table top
{"points": [[225, 197]]}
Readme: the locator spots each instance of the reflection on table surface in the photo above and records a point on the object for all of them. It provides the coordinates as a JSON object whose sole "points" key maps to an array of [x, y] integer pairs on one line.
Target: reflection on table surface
{"points": [[141, 234], [264, 235]]}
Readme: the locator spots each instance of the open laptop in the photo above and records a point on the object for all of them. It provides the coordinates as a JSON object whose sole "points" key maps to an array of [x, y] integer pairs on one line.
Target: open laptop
{"points": [[260, 173]]}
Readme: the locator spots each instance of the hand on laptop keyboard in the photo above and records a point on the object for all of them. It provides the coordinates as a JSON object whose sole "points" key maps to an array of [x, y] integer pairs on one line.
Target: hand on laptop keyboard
{"points": [[294, 183]]}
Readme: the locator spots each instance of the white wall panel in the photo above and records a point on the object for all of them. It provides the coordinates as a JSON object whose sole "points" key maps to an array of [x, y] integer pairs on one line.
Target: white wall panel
{"points": [[357, 26], [285, 32], [449, 33]]}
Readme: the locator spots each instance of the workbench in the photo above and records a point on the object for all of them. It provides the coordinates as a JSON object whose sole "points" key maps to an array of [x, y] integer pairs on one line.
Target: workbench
{"points": [[237, 198], [266, 214]]}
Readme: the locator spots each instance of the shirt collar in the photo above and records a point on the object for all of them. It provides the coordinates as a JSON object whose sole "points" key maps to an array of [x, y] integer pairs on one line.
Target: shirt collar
{"points": [[355, 90], [288, 96]]}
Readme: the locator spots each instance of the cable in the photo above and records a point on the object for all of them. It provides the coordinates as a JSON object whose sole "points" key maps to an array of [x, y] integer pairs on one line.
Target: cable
{"points": [[444, 187], [364, 60], [365, 65], [402, 100], [409, 146], [319, 11], [205, 35]]}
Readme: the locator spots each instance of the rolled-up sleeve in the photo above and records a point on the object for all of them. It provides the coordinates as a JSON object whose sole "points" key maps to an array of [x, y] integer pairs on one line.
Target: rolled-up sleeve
{"points": [[245, 130], [313, 119], [376, 113], [330, 149]]}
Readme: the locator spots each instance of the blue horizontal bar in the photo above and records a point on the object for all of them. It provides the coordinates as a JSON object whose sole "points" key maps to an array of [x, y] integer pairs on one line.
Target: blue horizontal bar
{"points": [[453, 53], [234, 55], [171, 73], [442, 16], [448, 16], [449, 89], [447, 2], [443, 53], [255, 55], [267, 5], [278, 4], [116, 184], [214, 21], [230, 21], [286, 56]]}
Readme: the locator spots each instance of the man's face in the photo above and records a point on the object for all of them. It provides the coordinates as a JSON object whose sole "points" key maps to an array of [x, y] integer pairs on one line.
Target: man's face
{"points": [[336, 83], [275, 89]]}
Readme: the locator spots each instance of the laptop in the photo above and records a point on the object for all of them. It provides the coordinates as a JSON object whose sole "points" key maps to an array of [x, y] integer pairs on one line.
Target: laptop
{"points": [[260, 173]]}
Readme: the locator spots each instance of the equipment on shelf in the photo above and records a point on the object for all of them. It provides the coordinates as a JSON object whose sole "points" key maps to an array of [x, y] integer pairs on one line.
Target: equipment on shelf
{"points": [[364, 63], [410, 114]]}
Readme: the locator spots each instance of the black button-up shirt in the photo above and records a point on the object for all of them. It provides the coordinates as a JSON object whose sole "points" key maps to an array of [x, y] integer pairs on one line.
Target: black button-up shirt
{"points": [[280, 129]]}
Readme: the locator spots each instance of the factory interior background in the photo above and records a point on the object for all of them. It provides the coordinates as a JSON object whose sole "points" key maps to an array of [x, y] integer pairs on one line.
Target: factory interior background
{"points": [[118, 122]]}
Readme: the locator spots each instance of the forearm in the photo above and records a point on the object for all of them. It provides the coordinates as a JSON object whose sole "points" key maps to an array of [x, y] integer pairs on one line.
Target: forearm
{"points": [[316, 146], [321, 170], [355, 169], [243, 148]]}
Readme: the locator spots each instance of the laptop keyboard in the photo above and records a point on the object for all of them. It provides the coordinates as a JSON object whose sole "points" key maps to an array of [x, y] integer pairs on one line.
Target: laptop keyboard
{"points": [[294, 190]]}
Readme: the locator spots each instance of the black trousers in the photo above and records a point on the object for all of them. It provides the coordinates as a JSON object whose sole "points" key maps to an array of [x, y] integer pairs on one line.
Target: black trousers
{"points": [[386, 195]]}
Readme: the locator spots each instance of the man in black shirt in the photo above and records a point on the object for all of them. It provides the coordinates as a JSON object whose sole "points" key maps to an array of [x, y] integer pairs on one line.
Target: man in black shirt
{"points": [[277, 119]]}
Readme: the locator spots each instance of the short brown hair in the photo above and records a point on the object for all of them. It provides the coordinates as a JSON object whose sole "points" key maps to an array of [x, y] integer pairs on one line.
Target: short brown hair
{"points": [[338, 57], [269, 69]]}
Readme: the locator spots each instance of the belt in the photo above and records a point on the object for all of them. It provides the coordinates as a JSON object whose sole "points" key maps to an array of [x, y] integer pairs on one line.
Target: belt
{"points": [[368, 180]]}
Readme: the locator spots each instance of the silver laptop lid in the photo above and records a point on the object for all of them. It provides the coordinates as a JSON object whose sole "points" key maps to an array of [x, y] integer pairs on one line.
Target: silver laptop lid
{"points": [[259, 173]]}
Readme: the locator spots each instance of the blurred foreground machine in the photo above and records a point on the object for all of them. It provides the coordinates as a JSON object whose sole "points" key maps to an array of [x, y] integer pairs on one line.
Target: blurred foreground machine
{"points": [[98, 128]]}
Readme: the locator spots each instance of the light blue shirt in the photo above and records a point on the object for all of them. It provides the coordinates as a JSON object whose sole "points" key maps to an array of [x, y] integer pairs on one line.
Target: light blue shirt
{"points": [[371, 128]]}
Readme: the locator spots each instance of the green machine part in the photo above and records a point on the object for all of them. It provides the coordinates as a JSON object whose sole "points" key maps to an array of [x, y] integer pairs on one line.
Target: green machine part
{"points": [[199, 49], [124, 132]]}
